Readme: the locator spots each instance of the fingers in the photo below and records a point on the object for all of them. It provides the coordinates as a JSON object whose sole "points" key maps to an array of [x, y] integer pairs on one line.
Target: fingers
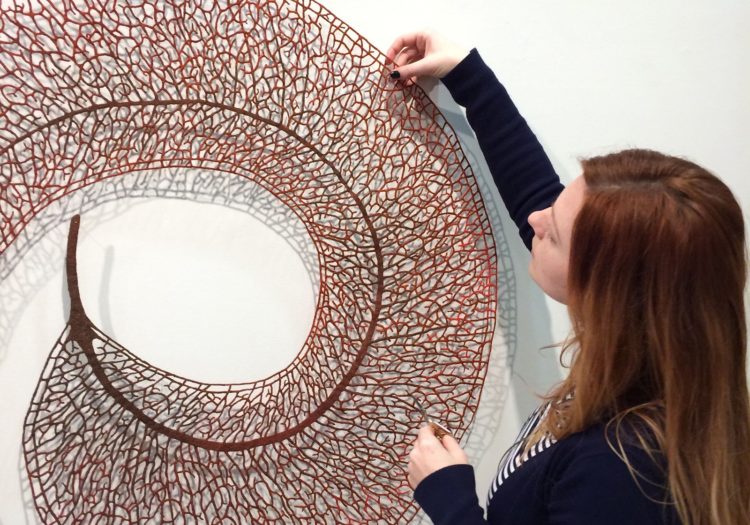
{"points": [[406, 56], [404, 41], [406, 50], [454, 449], [450, 443], [426, 436], [427, 441], [402, 59], [424, 54], [415, 69], [395, 49], [430, 454]]}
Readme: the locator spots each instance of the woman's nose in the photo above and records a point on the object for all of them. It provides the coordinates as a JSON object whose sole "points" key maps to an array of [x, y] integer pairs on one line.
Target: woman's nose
{"points": [[535, 221]]}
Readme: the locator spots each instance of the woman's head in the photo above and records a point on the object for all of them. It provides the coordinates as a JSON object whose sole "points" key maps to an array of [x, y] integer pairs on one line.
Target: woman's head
{"points": [[654, 286], [656, 274]]}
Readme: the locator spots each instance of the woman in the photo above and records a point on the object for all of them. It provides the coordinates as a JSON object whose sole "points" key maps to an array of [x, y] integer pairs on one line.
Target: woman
{"points": [[652, 424]]}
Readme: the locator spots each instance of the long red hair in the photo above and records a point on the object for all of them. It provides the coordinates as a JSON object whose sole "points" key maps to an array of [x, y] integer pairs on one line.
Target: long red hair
{"points": [[658, 266]]}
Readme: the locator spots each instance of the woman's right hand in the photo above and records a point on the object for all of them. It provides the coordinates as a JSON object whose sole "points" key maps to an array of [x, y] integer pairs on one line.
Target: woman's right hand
{"points": [[424, 54]]}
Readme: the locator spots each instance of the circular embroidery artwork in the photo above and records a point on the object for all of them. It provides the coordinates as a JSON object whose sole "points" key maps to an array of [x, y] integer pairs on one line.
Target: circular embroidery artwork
{"points": [[262, 102]]}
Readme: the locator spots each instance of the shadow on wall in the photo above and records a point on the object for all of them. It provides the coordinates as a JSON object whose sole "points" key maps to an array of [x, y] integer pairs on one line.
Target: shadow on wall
{"points": [[532, 369], [536, 368], [39, 255], [27, 498], [39, 251]]}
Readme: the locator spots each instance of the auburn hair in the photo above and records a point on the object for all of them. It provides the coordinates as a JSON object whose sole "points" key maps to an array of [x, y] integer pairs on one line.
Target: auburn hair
{"points": [[657, 271]]}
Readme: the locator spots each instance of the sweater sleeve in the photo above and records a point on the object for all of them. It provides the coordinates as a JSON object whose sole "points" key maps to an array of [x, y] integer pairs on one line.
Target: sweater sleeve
{"points": [[448, 496], [520, 168]]}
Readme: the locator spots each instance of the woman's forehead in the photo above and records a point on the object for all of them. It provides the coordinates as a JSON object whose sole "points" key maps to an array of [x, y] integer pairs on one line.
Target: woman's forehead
{"points": [[568, 204]]}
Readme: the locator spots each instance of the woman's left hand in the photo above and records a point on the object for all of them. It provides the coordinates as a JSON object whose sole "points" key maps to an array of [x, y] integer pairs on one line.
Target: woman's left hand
{"points": [[430, 454]]}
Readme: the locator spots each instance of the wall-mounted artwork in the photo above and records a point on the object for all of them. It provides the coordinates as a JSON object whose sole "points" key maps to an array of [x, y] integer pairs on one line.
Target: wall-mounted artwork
{"points": [[278, 110]]}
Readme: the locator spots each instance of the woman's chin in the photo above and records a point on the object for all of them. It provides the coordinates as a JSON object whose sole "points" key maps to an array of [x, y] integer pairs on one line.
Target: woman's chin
{"points": [[554, 292]]}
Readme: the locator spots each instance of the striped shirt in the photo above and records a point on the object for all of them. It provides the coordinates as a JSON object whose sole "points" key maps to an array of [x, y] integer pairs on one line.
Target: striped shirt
{"points": [[514, 456]]}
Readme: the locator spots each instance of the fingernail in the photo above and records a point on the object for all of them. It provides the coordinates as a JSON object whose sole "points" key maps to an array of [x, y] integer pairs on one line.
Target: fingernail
{"points": [[395, 74]]}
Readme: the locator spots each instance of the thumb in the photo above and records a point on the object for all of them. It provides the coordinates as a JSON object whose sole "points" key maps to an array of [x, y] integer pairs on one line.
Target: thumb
{"points": [[453, 448], [421, 68]]}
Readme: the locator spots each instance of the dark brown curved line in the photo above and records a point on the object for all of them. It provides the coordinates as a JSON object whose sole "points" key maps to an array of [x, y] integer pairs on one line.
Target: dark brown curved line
{"points": [[71, 267], [82, 333], [157, 102]]}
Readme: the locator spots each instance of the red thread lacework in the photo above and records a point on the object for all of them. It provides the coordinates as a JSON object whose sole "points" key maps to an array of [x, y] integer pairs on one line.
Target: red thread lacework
{"points": [[285, 95]]}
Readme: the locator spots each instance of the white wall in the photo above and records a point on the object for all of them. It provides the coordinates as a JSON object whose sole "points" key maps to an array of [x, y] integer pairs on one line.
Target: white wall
{"points": [[593, 76]]}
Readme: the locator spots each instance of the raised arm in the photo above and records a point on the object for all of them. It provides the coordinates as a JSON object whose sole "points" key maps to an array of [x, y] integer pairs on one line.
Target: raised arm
{"points": [[522, 172]]}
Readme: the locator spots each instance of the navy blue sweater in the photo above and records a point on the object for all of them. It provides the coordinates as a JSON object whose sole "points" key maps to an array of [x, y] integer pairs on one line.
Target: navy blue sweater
{"points": [[578, 480], [521, 170]]}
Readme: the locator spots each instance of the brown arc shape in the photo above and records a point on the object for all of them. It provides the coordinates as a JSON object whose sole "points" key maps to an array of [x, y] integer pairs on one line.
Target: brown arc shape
{"points": [[268, 431], [83, 334]]}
